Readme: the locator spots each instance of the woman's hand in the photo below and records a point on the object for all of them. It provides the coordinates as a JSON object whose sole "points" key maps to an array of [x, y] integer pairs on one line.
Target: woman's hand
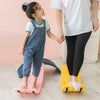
{"points": [[95, 24], [61, 38], [94, 7]]}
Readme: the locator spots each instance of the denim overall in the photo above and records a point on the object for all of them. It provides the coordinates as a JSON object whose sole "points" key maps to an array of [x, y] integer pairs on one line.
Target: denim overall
{"points": [[34, 50]]}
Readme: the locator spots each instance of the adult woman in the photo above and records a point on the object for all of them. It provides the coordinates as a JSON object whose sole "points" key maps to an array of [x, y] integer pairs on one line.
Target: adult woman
{"points": [[80, 18]]}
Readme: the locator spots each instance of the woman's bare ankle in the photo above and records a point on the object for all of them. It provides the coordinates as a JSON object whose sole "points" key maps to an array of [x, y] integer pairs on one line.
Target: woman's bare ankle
{"points": [[70, 79], [74, 78]]}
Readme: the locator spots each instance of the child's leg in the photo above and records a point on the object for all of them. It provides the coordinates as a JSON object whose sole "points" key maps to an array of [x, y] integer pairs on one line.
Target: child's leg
{"points": [[26, 68], [37, 63], [24, 82], [34, 88], [35, 73]]}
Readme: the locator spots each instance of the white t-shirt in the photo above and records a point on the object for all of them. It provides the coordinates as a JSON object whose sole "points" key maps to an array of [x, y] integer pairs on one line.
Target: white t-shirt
{"points": [[77, 15], [30, 28]]}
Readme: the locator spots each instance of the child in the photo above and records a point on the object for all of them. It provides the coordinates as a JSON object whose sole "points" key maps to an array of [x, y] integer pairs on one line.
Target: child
{"points": [[80, 19], [33, 46]]}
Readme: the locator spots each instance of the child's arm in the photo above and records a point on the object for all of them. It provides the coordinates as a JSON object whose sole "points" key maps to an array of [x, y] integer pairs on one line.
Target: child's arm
{"points": [[25, 41], [52, 36], [95, 14]]}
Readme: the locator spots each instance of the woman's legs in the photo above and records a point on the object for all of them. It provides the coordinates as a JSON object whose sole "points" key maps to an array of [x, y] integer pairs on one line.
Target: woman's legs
{"points": [[71, 42], [75, 55], [79, 52]]}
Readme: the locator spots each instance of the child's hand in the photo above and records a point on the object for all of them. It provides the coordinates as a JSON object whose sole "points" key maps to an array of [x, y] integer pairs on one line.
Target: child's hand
{"points": [[62, 36], [61, 40]]}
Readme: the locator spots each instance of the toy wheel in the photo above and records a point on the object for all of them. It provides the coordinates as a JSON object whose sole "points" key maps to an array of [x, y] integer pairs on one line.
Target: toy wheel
{"points": [[66, 89], [18, 91], [80, 90]]}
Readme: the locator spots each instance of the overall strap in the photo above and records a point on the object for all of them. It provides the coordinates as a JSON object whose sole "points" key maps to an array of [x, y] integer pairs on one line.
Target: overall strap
{"points": [[44, 23], [33, 23]]}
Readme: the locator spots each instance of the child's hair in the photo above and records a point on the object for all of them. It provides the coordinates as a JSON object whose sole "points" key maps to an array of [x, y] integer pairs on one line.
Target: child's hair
{"points": [[30, 9]]}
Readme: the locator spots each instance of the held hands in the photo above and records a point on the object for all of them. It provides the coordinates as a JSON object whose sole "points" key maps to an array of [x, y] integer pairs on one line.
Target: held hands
{"points": [[61, 39]]}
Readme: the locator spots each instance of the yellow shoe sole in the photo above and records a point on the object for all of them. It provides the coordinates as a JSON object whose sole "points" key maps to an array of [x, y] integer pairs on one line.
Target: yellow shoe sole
{"points": [[65, 87]]}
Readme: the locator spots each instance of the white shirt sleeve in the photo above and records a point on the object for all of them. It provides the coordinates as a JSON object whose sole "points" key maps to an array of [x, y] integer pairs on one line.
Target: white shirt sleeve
{"points": [[47, 27], [29, 27], [58, 4]]}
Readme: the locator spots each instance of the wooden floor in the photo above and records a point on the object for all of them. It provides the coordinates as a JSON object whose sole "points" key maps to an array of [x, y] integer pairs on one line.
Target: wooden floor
{"points": [[51, 90]]}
